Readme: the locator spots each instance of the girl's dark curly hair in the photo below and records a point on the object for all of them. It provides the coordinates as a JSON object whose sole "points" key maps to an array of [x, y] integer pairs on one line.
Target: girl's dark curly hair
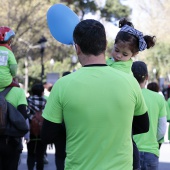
{"points": [[131, 39]]}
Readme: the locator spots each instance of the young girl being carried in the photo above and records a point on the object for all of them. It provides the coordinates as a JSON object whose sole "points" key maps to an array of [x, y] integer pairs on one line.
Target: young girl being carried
{"points": [[128, 42]]}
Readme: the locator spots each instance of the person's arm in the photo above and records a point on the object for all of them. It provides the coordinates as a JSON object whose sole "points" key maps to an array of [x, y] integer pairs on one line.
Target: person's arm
{"points": [[140, 124], [13, 69], [51, 132], [23, 110], [161, 128], [27, 135]]}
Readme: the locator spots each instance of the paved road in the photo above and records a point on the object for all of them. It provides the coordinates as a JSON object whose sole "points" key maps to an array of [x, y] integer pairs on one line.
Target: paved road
{"points": [[163, 165], [164, 158], [49, 166]]}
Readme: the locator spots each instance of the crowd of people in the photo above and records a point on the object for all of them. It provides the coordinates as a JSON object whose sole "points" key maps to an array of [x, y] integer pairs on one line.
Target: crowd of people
{"points": [[104, 116]]}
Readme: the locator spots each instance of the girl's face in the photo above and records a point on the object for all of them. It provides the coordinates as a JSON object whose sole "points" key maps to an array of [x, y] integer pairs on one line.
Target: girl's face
{"points": [[121, 51]]}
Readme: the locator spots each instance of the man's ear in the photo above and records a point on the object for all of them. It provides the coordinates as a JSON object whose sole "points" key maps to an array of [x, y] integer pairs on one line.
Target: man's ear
{"points": [[78, 49]]}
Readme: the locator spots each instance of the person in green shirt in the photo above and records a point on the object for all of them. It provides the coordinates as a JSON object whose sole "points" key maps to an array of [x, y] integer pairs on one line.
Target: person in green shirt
{"points": [[168, 118], [11, 147], [8, 63], [128, 43], [98, 104], [147, 143], [154, 86]]}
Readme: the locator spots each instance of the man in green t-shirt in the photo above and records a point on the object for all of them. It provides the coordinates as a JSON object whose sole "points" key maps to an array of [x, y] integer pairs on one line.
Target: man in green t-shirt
{"points": [[98, 105], [147, 143], [11, 147]]}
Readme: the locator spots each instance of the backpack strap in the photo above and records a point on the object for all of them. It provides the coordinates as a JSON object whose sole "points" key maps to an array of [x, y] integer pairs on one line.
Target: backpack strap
{"points": [[5, 91]]}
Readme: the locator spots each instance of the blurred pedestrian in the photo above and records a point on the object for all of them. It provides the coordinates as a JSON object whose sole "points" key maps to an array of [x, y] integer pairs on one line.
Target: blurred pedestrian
{"points": [[35, 147], [47, 89], [168, 117], [11, 147], [147, 143], [8, 63], [154, 86]]}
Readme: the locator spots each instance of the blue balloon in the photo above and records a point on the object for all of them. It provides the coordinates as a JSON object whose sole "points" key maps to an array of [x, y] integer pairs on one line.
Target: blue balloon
{"points": [[61, 21]]}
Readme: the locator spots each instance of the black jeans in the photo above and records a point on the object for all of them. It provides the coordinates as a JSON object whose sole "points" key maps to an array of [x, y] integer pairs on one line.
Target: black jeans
{"points": [[60, 154], [10, 150], [36, 150], [60, 150]]}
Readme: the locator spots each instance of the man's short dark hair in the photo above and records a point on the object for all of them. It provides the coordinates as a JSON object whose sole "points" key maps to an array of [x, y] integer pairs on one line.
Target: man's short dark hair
{"points": [[37, 89], [90, 36]]}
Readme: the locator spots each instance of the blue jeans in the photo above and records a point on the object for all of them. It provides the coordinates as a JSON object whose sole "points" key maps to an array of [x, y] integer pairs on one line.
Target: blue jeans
{"points": [[136, 157], [148, 161]]}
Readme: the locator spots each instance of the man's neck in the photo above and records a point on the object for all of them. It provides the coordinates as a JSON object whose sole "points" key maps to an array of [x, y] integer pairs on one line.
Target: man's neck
{"points": [[91, 59]]}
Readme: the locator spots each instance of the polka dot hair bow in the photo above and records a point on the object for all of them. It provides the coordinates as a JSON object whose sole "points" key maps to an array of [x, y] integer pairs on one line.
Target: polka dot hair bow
{"points": [[138, 34]]}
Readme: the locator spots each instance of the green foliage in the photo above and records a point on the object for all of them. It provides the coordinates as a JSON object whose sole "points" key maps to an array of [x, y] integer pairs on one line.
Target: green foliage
{"points": [[82, 7], [158, 58], [114, 10]]}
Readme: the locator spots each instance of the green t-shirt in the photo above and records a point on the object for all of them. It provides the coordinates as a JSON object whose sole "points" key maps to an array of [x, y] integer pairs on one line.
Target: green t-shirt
{"points": [[147, 142], [168, 117], [16, 97], [7, 58], [168, 113], [97, 105], [124, 66], [45, 97]]}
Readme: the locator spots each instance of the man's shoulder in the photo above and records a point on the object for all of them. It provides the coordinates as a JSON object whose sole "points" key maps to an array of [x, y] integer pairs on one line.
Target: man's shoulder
{"points": [[6, 50], [124, 74], [154, 95], [17, 91], [13, 89], [16, 96], [3, 48]]}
